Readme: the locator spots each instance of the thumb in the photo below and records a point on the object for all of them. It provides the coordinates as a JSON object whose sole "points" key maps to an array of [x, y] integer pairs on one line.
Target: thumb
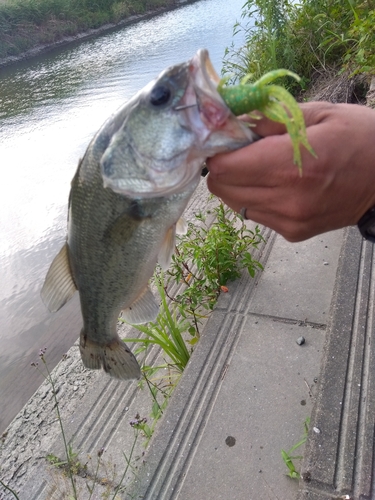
{"points": [[263, 126]]}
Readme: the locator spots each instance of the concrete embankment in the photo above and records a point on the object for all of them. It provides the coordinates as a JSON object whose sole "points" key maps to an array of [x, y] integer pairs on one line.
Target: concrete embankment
{"points": [[244, 396]]}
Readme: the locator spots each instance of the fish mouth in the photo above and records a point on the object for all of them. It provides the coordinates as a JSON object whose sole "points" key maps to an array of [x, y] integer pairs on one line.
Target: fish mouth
{"points": [[203, 111], [202, 92], [202, 124]]}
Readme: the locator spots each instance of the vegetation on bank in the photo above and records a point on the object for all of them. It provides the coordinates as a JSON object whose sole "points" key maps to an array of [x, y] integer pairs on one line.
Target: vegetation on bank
{"points": [[307, 37], [25, 24]]}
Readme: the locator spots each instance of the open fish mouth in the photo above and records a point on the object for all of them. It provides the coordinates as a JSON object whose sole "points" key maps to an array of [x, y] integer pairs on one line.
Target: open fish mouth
{"points": [[206, 75], [169, 128], [203, 92]]}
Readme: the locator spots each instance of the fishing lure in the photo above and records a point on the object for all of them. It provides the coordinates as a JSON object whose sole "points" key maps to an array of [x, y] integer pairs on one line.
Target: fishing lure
{"points": [[275, 102]]}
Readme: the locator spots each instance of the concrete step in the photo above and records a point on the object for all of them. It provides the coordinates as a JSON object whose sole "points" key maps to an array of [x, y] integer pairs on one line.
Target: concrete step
{"points": [[339, 455], [244, 396], [249, 386]]}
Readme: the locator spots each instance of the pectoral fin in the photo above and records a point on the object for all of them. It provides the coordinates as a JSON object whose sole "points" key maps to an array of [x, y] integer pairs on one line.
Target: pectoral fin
{"points": [[59, 284], [143, 310], [167, 249], [181, 226]]}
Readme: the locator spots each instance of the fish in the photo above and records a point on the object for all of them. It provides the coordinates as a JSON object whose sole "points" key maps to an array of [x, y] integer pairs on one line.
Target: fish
{"points": [[126, 202]]}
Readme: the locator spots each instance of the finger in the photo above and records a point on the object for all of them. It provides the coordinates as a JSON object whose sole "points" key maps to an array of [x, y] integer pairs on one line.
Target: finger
{"points": [[262, 213], [262, 199], [317, 111], [295, 230], [314, 112], [263, 126], [269, 161], [259, 164], [279, 211]]}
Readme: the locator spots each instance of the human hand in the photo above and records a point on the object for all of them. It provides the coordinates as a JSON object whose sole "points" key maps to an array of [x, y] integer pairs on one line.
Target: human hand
{"points": [[335, 189]]}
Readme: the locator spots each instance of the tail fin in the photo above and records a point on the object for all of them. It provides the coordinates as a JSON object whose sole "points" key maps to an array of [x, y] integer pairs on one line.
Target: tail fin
{"points": [[115, 358]]}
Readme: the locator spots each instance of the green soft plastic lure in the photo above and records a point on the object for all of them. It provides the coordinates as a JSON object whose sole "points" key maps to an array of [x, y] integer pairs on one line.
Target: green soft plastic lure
{"points": [[275, 102]]}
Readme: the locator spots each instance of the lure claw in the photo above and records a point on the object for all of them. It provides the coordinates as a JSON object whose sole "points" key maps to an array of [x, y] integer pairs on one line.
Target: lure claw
{"points": [[274, 101]]}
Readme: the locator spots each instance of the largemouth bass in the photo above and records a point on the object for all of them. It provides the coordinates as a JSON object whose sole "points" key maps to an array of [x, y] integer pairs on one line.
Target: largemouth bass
{"points": [[126, 200]]}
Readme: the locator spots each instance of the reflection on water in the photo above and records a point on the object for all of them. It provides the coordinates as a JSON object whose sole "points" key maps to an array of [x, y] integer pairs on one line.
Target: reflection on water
{"points": [[50, 108], [108, 64]]}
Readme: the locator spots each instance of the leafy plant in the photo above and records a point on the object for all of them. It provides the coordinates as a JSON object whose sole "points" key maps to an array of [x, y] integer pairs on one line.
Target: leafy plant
{"points": [[206, 258], [360, 56], [306, 37], [267, 41], [287, 455], [71, 466], [166, 332]]}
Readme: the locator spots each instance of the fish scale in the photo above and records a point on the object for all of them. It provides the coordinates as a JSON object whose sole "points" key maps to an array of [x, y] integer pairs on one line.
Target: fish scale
{"points": [[126, 200]]}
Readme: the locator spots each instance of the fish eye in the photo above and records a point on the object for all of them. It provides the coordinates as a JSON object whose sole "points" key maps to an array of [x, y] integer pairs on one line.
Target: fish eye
{"points": [[160, 95]]}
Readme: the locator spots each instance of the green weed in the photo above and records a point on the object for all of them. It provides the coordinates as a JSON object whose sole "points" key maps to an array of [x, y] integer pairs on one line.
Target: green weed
{"points": [[360, 55], [71, 466], [287, 455], [307, 37], [9, 489], [165, 332], [71, 457], [268, 45], [206, 259]]}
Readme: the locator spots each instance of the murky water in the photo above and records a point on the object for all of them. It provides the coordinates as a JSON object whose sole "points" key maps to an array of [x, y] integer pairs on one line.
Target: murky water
{"points": [[50, 107]]}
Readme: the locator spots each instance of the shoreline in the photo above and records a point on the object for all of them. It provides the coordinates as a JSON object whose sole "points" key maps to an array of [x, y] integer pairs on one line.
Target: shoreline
{"points": [[85, 35]]}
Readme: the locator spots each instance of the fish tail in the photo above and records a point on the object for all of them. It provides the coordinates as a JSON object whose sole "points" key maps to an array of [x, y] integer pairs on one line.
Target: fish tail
{"points": [[115, 357]]}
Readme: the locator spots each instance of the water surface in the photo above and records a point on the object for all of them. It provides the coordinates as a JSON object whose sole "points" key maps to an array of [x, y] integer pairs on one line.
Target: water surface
{"points": [[50, 108]]}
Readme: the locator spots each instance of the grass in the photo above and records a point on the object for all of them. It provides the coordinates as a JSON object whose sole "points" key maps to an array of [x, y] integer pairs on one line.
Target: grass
{"points": [[25, 24], [71, 466], [288, 457], [307, 37], [206, 259], [166, 332]]}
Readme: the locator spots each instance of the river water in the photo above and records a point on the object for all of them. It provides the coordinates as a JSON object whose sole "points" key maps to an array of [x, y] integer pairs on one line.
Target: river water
{"points": [[50, 107]]}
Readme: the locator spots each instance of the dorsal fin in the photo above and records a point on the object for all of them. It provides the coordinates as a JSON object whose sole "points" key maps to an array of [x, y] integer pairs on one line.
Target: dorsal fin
{"points": [[59, 284]]}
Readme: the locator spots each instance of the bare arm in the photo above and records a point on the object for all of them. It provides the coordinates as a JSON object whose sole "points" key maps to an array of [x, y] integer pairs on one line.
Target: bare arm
{"points": [[336, 188]]}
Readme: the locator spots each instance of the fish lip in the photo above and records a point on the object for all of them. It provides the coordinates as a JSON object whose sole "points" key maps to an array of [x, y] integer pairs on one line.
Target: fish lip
{"points": [[213, 110], [207, 68]]}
